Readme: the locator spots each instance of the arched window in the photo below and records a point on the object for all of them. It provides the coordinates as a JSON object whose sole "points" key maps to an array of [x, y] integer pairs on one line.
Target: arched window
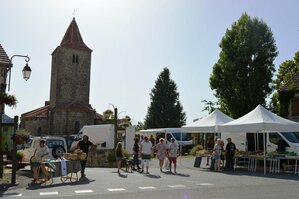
{"points": [[77, 127], [77, 59], [74, 58], [39, 131]]}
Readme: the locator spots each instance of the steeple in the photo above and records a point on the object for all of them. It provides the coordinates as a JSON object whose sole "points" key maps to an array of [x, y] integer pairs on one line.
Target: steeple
{"points": [[73, 39]]}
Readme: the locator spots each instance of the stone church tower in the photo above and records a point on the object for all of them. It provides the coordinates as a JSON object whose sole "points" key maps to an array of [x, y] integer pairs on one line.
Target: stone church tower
{"points": [[69, 106], [68, 109]]}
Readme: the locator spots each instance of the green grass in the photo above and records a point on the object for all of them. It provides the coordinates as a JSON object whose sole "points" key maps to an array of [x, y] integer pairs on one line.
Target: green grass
{"points": [[6, 177]]}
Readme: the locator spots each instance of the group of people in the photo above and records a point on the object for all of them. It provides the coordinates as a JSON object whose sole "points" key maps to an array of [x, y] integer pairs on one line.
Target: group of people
{"points": [[220, 154], [145, 150]]}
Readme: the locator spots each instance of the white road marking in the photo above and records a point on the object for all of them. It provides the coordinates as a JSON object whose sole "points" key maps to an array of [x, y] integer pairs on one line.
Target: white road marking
{"points": [[176, 186], [117, 189], [84, 191], [147, 187], [204, 184], [48, 193], [12, 194]]}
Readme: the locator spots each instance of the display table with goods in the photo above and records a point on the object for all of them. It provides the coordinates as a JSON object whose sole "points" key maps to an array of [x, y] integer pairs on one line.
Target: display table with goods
{"points": [[67, 167], [200, 154], [273, 159]]}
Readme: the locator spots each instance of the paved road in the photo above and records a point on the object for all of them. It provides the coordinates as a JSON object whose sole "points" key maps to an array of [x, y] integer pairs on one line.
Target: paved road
{"points": [[190, 182]]}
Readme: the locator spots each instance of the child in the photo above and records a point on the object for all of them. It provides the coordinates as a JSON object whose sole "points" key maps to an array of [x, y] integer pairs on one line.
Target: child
{"points": [[119, 156]]}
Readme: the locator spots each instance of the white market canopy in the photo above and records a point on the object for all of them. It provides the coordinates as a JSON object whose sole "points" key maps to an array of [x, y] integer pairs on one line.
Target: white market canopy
{"points": [[209, 123], [260, 120]]}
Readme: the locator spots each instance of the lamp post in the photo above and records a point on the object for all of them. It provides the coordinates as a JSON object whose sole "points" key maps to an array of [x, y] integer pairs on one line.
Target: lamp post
{"points": [[116, 114], [26, 75], [115, 125]]}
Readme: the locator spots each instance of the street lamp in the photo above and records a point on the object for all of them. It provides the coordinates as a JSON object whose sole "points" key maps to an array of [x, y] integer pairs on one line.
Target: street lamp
{"points": [[26, 75], [26, 70]]}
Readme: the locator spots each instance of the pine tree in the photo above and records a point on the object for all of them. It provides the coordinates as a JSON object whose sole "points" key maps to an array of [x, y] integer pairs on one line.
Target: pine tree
{"points": [[165, 110]]}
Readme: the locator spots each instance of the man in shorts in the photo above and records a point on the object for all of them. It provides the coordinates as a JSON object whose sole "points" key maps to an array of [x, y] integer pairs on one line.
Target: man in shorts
{"points": [[173, 149], [146, 151]]}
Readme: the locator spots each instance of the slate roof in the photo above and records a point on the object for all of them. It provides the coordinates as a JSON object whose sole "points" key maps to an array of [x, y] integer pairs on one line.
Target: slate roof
{"points": [[73, 39], [41, 112], [75, 107], [291, 84], [4, 59]]}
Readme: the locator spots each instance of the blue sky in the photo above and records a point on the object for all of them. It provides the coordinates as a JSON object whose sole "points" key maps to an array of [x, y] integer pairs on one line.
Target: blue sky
{"points": [[132, 41]]}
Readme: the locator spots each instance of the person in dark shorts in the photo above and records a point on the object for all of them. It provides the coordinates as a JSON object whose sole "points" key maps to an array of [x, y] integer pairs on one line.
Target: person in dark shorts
{"points": [[229, 154], [119, 156], [136, 154], [84, 146]]}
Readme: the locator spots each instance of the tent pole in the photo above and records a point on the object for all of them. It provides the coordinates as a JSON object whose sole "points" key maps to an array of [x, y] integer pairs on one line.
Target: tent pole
{"points": [[265, 153], [181, 149]]}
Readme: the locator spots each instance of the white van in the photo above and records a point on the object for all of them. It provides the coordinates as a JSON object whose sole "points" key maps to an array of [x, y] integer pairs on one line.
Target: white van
{"points": [[181, 138], [254, 141], [102, 135]]}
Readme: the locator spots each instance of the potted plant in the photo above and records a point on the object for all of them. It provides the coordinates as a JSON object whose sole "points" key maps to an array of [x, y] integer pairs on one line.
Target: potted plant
{"points": [[21, 136], [9, 100]]}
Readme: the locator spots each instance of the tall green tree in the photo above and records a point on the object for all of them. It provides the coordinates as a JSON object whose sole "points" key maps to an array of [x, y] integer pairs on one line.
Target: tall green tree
{"points": [[242, 76], [286, 71], [165, 109]]}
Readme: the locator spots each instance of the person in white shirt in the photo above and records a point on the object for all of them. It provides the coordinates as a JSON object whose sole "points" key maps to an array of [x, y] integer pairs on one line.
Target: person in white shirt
{"points": [[146, 151], [173, 149], [40, 153]]}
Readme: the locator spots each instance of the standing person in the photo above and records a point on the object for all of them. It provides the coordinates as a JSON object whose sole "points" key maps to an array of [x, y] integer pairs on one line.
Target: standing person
{"points": [[119, 156], [84, 146], [161, 152], [210, 146], [152, 140], [136, 154], [173, 149], [40, 153], [217, 154], [229, 154], [146, 151], [222, 156]]}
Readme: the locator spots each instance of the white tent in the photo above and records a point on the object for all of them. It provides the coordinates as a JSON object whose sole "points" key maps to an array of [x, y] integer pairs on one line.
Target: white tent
{"points": [[209, 123], [260, 120]]}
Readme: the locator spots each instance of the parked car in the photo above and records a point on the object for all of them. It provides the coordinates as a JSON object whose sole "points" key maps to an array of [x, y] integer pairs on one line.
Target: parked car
{"points": [[57, 147]]}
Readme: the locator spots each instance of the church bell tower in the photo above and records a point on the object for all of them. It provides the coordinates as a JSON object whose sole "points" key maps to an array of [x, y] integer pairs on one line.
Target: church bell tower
{"points": [[70, 85]]}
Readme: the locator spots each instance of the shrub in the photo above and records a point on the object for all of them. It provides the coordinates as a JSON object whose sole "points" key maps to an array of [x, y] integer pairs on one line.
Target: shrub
{"points": [[111, 155], [19, 156], [195, 149]]}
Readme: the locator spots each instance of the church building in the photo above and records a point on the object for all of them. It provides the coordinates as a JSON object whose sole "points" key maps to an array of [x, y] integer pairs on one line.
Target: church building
{"points": [[68, 109]]}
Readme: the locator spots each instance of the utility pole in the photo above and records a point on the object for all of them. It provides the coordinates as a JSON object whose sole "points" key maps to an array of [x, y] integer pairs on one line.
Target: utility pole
{"points": [[14, 152], [115, 127]]}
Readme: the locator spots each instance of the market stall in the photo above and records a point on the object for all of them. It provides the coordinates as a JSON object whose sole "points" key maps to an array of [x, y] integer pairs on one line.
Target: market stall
{"points": [[66, 167], [205, 125], [260, 120]]}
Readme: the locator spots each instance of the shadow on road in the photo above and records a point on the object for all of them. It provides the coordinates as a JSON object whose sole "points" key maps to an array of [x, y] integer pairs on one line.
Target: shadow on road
{"points": [[176, 174], [81, 181]]}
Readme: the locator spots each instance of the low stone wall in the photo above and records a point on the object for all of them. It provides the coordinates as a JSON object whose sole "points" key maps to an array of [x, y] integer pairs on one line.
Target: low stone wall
{"points": [[99, 158]]}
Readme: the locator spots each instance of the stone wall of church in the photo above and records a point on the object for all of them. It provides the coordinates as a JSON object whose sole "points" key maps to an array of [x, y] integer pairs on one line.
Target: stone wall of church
{"points": [[70, 122], [36, 126], [70, 77]]}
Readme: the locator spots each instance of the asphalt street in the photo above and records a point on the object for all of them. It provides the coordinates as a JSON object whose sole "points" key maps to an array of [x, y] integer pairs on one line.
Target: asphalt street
{"points": [[189, 182]]}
